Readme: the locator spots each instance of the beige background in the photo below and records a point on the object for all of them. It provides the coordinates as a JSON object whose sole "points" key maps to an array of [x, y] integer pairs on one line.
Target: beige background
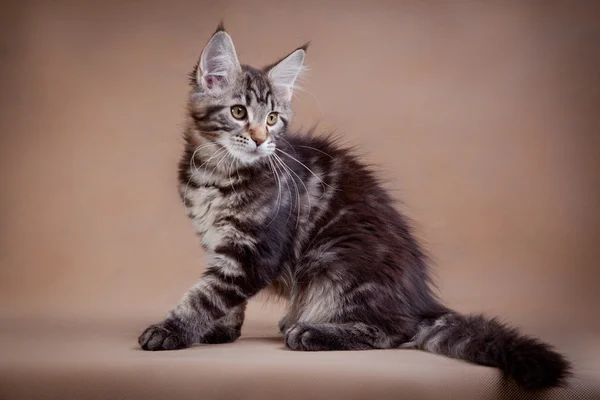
{"points": [[484, 115]]}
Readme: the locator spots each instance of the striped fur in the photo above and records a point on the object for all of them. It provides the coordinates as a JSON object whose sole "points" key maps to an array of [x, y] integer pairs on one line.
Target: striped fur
{"points": [[302, 218]]}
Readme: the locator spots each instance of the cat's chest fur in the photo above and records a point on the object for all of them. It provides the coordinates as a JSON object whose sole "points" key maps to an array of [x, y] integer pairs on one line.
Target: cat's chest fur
{"points": [[205, 206]]}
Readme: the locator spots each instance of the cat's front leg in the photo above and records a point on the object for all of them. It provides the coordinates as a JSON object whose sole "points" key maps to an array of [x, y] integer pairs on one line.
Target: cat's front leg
{"points": [[200, 316], [172, 333], [212, 310]]}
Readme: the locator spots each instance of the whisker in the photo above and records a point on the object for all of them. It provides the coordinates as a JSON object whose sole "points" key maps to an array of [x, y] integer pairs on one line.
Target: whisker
{"points": [[271, 167], [275, 164], [320, 151], [231, 176], [217, 166], [292, 147], [301, 89], [279, 195], [220, 151], [196, 170], [285, 171], [312, 148], [193, 158], [308, 169], [294, 182], [305, 190]]}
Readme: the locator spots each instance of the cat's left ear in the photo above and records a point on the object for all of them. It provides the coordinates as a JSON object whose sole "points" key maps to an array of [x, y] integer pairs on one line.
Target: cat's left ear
{"points": [[284, 73], [218, 64]]}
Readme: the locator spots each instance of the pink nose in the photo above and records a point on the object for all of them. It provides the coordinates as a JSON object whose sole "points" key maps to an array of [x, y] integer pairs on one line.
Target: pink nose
{"points": [[258, 136]]}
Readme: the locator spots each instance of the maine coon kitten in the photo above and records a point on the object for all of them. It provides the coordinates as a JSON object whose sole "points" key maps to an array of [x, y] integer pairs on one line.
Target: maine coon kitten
{"points": [[301, 216]]}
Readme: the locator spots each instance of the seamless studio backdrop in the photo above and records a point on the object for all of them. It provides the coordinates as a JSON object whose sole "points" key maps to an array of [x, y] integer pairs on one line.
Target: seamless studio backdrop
{"points": [[483, 116]]}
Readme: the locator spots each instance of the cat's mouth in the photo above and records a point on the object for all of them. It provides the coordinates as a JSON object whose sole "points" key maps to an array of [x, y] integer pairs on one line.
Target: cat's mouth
{"points": [[248, 153]]}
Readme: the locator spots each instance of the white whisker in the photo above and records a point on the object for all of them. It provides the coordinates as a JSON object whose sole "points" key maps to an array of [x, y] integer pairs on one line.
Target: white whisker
{"points": [[231, 176], [217, 166], [312, 148], [275, 164], [292, 147], [308, 169], [301, 89], [285, 171], [193, 158], [278, 181], [196, 169], [294, 182], [305, 190]]}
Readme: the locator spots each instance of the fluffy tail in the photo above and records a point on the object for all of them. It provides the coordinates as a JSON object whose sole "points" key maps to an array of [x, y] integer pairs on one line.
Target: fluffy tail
{"points": [[475, 338]]}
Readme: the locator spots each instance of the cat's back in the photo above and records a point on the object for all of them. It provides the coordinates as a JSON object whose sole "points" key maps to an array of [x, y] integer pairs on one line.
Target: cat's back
{"points": [[339, 169]]}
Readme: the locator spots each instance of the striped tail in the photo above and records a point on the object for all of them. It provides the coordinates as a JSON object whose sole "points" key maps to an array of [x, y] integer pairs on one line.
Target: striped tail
{"points": [[475, 338]]}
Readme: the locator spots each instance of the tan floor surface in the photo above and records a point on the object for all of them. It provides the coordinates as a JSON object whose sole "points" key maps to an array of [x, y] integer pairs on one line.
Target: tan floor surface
{"points": [[99, 359]]}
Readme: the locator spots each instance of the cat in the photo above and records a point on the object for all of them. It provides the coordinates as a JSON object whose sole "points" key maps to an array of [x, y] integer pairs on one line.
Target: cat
{"points": [[302, 217]]}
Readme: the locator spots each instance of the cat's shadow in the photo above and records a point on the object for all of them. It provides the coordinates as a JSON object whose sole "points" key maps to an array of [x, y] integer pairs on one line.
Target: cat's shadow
{"points": [[250, 339]]}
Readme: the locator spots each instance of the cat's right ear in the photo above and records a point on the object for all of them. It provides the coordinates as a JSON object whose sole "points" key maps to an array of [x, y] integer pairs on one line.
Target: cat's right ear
{"points": [[218, 64]]}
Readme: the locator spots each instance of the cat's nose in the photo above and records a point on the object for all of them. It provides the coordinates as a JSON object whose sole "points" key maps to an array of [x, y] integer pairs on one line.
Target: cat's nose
{"points": [[258, 135]]}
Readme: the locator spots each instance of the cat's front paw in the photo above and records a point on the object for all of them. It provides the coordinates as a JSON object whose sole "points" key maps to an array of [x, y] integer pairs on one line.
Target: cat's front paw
{"points": [[161, 337]]}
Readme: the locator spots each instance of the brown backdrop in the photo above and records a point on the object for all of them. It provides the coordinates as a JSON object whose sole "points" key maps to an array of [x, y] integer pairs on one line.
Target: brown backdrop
{"points": [[484, 115]]}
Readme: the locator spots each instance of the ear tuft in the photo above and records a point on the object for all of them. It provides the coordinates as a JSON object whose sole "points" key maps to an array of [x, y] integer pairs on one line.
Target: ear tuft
{"points": [[220, 27], [304, 46]]}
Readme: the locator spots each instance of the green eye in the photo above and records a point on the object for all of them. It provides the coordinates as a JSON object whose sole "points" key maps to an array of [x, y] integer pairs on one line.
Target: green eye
{"points": [[272, 118], [238, 112]]}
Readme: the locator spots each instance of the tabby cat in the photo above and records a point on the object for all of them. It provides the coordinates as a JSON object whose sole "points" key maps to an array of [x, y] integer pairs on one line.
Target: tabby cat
{"points": [[301, 217]]}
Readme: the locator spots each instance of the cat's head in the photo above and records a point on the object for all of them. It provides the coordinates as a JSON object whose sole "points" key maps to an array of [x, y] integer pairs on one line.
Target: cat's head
{"points": [[240, 110]]}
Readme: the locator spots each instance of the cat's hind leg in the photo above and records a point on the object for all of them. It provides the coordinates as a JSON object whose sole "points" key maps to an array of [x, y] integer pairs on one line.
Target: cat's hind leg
{"points": [[329, 336]]}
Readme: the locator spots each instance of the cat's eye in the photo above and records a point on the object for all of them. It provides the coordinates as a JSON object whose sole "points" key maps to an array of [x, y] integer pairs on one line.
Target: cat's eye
{"points": [[272, 118], [239, 112]]}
